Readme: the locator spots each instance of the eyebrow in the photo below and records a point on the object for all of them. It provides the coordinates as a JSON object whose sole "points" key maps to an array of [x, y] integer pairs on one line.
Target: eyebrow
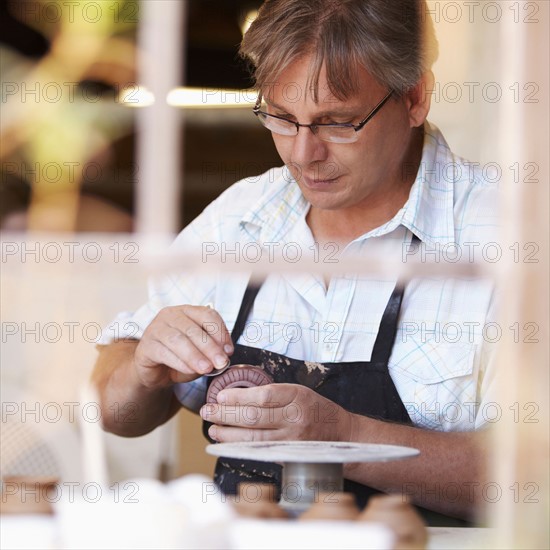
{"points": [[344, 113]]}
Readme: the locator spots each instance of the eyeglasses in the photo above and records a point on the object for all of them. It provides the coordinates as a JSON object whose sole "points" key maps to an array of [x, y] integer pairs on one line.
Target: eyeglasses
{"points": [[335, 133]]}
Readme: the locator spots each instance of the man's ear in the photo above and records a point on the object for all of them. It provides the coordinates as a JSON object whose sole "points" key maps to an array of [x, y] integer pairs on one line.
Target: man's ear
{"points": [[418, 100]]}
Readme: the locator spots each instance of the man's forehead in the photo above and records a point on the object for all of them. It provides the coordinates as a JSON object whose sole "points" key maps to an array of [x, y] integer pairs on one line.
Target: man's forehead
{"points": [[302, 82], [289, 99], [294, 93], [321, 108]]}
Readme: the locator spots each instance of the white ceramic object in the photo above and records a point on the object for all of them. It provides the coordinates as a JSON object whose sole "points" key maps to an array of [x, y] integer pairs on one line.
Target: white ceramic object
{"points": [[181, 514], [247, 534]]}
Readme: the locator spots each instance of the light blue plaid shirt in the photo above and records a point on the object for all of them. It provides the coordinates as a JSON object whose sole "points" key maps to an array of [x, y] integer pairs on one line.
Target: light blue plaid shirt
{"points": [[443, 356]]}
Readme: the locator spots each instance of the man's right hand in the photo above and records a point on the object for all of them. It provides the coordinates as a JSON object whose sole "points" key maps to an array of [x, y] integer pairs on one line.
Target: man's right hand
{"points": [[181, 344]]}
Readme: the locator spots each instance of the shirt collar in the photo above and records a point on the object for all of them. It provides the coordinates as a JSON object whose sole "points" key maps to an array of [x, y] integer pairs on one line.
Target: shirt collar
{"points": [[428, 212], [277, 211]]}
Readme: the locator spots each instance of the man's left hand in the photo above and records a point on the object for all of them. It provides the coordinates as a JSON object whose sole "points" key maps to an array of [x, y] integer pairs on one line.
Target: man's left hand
{"points": [[276, 412]]}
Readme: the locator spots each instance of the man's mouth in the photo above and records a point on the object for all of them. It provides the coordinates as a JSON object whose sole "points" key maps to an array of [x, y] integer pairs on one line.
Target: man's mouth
{"points": [[317, 182]]}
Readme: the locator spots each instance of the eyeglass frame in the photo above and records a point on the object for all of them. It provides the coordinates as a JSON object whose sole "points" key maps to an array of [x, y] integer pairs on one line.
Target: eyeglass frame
{"points": [[314, 126]]}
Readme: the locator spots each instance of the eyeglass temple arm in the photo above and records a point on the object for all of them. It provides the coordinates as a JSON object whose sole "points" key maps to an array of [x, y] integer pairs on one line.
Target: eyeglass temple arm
{"points": [[374, 111]]}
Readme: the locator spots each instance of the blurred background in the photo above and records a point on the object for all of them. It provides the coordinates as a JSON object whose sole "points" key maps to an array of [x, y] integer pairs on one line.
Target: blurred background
{"points": [[221, 145], [71, 172]]}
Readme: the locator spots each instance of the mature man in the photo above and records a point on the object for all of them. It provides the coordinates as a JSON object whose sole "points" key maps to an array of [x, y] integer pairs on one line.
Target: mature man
{"points": [[342, 87]]}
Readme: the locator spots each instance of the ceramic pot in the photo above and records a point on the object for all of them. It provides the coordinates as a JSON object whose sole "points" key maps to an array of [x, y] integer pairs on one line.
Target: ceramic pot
{"points": [[28, 495], [332, 506], [258, 500], [401, 517]]}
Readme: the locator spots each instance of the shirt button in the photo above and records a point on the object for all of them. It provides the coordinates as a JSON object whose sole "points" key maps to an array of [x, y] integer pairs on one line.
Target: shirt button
{"points": [[329, 347]]}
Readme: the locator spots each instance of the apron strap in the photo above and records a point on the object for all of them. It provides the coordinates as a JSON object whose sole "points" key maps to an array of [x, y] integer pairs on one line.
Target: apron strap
{"points": [[387, 331], [246, 306]]}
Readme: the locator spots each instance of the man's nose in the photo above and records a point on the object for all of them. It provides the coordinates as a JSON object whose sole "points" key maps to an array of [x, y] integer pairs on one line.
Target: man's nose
{"points": [[307, 147]]}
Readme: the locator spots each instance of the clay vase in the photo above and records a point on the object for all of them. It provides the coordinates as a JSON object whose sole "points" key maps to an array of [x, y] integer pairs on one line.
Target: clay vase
{"points": [[332, 506], [399, 516], [28, 495], [258, 500]]}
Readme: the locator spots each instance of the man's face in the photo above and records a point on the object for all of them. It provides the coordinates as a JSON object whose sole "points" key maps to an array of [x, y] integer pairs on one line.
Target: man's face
{"points": [[342, 176]]}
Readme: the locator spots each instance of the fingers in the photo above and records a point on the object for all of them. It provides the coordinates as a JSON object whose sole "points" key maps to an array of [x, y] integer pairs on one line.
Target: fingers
{"points": [[269, 395], [270, 407], [275, 412], [250, 415], [211, 323], [192, 347], [188, 339], [254, 408], [199, 336], [226, 434]]}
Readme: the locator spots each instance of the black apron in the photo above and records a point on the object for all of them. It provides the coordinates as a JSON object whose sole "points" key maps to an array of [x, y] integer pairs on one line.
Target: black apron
{"points": [[362, 387]]}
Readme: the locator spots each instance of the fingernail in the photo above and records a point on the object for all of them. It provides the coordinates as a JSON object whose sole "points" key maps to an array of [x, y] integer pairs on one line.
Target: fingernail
{"points": [[220, 398], [213, 433], [220, 361], [227, 348], [206, 410], [204, 365]]}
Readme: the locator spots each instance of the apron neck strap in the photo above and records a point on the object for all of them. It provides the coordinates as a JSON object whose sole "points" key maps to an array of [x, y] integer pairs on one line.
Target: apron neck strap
{"points": [[387, 332], [246, 306]]}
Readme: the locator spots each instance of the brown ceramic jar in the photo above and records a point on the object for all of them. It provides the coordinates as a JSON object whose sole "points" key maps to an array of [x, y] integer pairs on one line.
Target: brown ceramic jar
{"points": [[257, 500], [399, 516], [28, 495], [332, 506]]}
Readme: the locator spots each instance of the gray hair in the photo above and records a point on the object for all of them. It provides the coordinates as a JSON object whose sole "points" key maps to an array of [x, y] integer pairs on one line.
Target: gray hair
{"points": [[393, 40]]}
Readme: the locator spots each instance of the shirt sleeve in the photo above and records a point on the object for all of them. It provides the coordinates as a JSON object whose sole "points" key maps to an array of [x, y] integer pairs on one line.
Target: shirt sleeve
{"points": [[192, 395]]}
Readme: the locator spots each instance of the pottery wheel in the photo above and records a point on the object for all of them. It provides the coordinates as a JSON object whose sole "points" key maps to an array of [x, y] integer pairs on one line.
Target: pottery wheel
{"points": [[310, 467]]}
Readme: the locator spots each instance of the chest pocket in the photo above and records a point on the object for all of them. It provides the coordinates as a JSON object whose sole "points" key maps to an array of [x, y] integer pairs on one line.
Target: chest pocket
{"points": [[437, 383]]}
